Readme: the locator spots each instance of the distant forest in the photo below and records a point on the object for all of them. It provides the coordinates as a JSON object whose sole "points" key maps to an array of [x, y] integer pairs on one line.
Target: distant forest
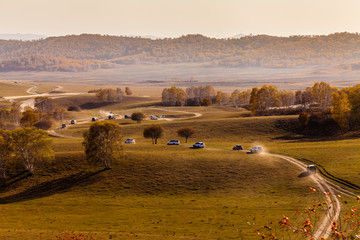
{"points": [[88, 52]]}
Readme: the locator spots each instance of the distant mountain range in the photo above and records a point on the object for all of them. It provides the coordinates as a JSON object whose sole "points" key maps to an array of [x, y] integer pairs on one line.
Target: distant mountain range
{"points": [[87, 52], [24, 37]]}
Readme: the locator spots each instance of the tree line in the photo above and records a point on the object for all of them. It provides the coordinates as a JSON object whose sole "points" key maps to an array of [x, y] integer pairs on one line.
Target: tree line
{"points": [[71, 53]]}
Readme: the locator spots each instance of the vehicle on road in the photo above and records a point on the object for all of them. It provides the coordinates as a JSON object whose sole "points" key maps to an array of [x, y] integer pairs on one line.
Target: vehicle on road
{"points": [[162, 116], [152, 117], [238, 147], [256, 149], [173, 142], [127, 116], [73, 122], [130, 140], [94, 119], [199, 145], [63, 125], [111, 117], [311, 169]]}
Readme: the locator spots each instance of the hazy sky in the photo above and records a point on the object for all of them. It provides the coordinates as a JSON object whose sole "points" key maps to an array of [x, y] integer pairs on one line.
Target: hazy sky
{"points": [[172, 18]]}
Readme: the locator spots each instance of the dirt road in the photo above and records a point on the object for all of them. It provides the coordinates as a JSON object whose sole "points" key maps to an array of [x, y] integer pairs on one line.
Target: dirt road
{"points": [[324, 227]]}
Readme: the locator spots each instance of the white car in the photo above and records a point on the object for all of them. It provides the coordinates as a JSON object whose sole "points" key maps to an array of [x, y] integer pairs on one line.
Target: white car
{"points": [[199, 145], [173, 142], [311, 169], [153, 117], [130, 140], [256, 149]]}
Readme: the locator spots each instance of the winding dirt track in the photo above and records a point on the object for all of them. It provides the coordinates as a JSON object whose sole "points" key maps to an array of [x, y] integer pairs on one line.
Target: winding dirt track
{"points": [[324, 228]]}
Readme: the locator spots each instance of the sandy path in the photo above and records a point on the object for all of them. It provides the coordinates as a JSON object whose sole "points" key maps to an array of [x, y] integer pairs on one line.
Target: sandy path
{"points": [[196, 115], [324, 227]]}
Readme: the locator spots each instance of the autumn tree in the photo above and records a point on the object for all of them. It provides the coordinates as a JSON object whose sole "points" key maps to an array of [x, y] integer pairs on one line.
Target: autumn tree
{"points": [[154, 132], [322, 94], [341, 108], [206, 102], [110, 95], [29, 118], [354, 99], [173, 96], [31, 146], [287, 98], [44, 105], [6, 149], [222, 98], [197, 94], [185, 132], [264, 98], [304, 97], [15, 113], [138, 116], [59, 114], [103, 143], [128, 91]]}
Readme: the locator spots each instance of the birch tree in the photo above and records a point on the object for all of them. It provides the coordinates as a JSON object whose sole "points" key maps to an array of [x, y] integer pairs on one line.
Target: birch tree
{"points": [[31, 146], [103, 143], [6, 148]]}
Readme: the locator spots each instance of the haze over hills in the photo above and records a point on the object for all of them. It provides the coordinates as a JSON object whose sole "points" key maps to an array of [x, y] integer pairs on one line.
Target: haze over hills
{"points": [[23, 37], [89, 51]]}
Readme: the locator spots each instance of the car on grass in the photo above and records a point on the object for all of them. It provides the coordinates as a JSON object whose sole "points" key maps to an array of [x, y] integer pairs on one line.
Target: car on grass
{"points": [[130, 140], [311, 169], [63, 125], [73, 122], [153, 117], [199, 145], [238, 147], [173, 142], [256, 149]]}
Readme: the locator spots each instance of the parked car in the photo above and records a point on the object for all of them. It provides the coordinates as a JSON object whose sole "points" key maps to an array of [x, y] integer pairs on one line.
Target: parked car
{"points": [[94, 119], [73, 122], [238, 147], [111, 117], [162, 116], [130, 140], [63, 125], [173, 142], [199, 145], [256, 149], [311, 169], [152, 117], [127, 116]]}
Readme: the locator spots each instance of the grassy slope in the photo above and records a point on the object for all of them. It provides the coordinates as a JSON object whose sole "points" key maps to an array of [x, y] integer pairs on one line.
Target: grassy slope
{"points": [[9, 89], [159, 191]]}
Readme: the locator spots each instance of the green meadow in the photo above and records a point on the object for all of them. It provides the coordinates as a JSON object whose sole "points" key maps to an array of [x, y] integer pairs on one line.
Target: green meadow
{"points": [[170, 192]]}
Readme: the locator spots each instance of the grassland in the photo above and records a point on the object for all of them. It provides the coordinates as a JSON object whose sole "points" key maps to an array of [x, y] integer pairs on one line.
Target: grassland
{"points": [[169, 192]]}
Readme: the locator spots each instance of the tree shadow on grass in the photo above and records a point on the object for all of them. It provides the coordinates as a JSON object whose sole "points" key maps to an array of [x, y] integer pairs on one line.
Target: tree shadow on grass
{"points": [[14, 179], [52, 187]]}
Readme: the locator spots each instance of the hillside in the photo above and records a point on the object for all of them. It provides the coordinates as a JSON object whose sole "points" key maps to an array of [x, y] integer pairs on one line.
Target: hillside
{"points": [[249, 51]]}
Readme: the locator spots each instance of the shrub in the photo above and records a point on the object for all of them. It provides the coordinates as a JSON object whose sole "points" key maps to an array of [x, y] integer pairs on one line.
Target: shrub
{"points": [[43, 124], [74, 108]]}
